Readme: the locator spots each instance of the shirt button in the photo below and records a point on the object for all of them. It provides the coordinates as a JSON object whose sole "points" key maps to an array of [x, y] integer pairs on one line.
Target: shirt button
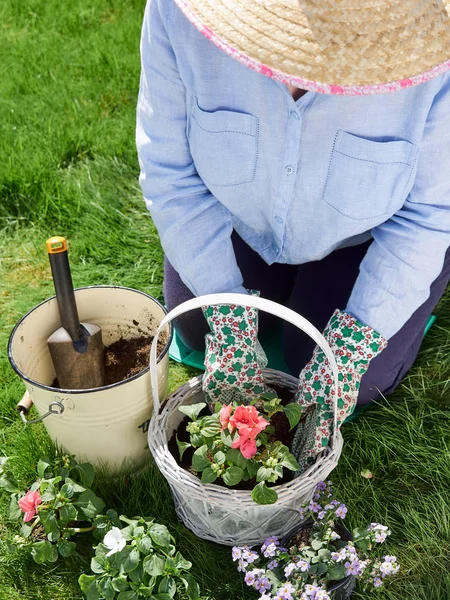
{"points": [[279, 220], [294, 115], [289, 170], [276, 249]]}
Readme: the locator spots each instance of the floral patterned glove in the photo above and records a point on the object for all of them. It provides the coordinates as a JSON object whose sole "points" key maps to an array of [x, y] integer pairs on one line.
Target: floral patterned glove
{"points": [[354, 345], [234, 358]]}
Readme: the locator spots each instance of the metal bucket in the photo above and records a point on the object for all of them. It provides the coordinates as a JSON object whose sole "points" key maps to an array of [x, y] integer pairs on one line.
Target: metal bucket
{"points": [[106, 425]]}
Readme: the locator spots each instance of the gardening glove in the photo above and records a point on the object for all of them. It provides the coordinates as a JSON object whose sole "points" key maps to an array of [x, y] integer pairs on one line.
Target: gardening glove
{"points": [[234, 357], [354, 345]]}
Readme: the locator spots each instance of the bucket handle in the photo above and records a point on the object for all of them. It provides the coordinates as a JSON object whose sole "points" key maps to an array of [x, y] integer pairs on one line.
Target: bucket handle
{"points": [[263, 304], [27, 402]]}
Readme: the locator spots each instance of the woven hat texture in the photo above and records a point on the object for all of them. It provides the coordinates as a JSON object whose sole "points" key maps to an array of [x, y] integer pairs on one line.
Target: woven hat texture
{"points": [[347, 47]]}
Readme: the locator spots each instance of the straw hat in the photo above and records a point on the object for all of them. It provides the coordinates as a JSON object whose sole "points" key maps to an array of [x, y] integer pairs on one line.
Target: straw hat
{"points": [[350, 47]]}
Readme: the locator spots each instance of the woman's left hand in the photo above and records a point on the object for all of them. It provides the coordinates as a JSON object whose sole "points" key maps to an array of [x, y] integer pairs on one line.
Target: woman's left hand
{"points": [[354, 345]]}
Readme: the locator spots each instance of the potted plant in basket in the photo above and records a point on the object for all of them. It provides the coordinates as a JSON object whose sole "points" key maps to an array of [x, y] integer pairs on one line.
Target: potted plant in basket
{"points": [[318, 559], [240, 443]]}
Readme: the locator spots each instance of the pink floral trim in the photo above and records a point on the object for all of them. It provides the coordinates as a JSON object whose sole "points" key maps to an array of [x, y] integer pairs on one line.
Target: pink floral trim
{"points": [[306, 84]]}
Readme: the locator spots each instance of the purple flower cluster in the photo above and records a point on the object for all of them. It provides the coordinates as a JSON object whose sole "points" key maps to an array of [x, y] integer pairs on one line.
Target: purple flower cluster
{"points": [[314, 592], [257, 580], [378, 532], [245, 556]]}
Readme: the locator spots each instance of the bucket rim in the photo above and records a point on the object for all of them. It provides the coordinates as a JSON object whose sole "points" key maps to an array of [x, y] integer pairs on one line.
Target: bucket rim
{"points": [[42, 386]]}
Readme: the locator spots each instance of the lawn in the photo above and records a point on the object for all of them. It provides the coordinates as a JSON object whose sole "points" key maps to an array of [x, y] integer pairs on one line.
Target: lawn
{"points": [[68, 85]]}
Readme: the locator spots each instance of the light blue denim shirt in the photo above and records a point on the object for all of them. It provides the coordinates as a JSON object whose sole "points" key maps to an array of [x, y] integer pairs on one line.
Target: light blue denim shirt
{"points": [[223, 147]]}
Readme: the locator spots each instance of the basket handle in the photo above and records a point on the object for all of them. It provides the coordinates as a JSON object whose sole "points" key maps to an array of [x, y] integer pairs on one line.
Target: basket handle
{"points": [[263, 304]]}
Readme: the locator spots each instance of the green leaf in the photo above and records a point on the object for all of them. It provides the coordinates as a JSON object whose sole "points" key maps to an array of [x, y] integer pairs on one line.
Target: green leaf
{"points": [[66, 548], [181, 563], [84, 581], [144, 544], [210, 426], [234, 456], [290, 462], [43, 552], [293, 411], [263, 474], [316, 544], [120, 583], [192, 410], [232, 476], [68, 513], [67, 490], [226, 438], [336, 571], [261, 494], [160, 535], [26, 530], [98, 564], [106, 589], [49, 523], [208, 475], [167, 586], [90, 504], [182, 447], [49, 493], [8, 483], [93, 592], [193, 591], [154, 565], [130, 595], [220, 457], [132, 561], [42, 465], [137, 575], [321, 568], [77, 488], [86, 473], [161, 596], [14, 510], [252, 468], [200, 460]]}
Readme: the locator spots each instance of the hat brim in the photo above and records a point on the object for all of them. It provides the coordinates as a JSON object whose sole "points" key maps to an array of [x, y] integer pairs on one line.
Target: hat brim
{"points": [[415, 72]]}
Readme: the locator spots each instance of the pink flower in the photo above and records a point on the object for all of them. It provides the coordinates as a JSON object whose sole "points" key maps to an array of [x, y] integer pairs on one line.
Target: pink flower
{"points": [[247, 417], [29, 503], [246, 442], [224, 415]]}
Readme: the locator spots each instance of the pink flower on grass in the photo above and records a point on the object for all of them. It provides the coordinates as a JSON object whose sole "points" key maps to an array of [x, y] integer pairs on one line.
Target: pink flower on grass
{"points": [[247, 417], [28, 504], [245, 442], [224, 415]]}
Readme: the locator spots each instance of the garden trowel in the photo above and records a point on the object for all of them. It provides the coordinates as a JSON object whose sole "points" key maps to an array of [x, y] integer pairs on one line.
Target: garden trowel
{"points": [[76, 348]]}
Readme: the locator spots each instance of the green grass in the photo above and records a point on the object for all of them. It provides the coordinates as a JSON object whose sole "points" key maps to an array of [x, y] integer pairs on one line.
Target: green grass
{"points": [[68, 84]]}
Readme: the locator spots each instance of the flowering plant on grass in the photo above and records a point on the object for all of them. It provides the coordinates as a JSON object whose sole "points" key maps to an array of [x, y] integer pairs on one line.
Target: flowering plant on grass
{"points": [[238, 443], [59, 505], [319, 554], [138, 561]]}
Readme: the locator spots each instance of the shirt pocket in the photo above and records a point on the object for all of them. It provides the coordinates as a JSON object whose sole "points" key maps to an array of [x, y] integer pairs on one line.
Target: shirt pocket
{"points": [[368, 179], [224, 145]]}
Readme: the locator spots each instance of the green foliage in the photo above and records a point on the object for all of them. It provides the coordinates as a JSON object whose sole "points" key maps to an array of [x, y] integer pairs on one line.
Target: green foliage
{"points": [[59, 505], [138, 561]]}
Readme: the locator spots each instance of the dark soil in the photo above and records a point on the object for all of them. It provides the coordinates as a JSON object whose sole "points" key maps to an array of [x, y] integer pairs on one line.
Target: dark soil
{"points": [[125, 358], [282, 433]]}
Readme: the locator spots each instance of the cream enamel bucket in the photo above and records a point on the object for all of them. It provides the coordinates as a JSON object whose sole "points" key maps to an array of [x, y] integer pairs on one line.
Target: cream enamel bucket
{"points": [[107, 425]]}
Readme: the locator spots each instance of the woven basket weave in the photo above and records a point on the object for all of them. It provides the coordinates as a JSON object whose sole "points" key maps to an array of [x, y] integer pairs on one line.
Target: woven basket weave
{"points": [[216, 513]]}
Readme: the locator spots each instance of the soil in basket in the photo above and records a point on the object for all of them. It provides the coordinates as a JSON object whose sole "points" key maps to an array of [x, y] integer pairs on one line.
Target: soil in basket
{"points": [[125, 358], [282, 433]]}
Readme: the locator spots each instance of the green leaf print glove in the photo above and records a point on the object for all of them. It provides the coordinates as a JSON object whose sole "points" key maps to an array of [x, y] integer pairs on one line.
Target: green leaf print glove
{"points": [[354, 345], [233, 358]]}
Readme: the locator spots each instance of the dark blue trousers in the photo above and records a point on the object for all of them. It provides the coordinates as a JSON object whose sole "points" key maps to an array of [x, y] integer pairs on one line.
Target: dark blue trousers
{"points": [[311, 290]]}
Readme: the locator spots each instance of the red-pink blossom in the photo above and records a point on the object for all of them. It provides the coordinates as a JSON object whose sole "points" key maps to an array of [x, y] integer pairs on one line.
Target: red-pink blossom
{"points": [[245, 442], [247, 416], [224, 415], [29, 503]]}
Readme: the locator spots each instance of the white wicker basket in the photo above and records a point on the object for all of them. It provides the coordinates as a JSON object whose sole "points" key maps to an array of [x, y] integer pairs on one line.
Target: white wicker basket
{"points": [[217, 513]]}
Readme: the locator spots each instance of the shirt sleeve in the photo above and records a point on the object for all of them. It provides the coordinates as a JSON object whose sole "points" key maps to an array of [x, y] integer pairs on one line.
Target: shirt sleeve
{"points": [[408, 250], [194, 228]]}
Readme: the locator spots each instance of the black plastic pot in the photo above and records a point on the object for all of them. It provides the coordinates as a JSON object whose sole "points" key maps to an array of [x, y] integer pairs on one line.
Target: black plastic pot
{"points": [[342, 589]]}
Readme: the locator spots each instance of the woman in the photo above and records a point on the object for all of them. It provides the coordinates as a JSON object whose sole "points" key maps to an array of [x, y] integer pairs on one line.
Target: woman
{"points": [[301, 149]]}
